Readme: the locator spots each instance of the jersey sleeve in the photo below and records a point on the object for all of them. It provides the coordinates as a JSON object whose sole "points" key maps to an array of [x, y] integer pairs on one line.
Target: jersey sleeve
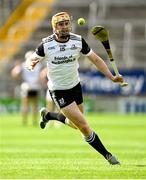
{"points": [[40, 50], [85, 48]]}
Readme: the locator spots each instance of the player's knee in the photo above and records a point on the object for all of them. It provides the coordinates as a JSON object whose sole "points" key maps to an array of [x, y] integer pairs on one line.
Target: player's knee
{"points": [[85, 128]]}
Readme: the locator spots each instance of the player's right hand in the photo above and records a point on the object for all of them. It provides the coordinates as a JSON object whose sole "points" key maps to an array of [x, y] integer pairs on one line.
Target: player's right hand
{"points": [[30, 64], [33, 63], [118, 79]]}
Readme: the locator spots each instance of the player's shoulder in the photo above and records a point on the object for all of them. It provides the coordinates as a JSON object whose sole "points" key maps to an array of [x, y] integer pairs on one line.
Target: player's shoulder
{"points": [[48, 39], [76, 37]]}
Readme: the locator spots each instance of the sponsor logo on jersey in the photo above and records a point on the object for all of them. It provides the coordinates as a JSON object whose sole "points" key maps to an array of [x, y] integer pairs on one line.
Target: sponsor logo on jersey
{"points": [[63, 59], [50, 48]]}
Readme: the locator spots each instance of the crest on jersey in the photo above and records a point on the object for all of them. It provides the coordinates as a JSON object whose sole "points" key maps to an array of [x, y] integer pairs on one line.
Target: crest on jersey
{"points": [[73, 46], [61, 101]]}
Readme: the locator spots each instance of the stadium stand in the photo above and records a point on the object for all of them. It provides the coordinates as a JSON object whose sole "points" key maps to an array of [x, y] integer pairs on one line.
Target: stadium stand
{"points": [[6, 8], [23, 21]]}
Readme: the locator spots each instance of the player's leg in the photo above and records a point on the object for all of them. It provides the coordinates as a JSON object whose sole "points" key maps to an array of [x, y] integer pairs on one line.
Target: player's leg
{"points": [[111, 159], [70, 103], [50, 105], [47, 114], [24, 102], [73, 113], [34, 103], [24, 109]]}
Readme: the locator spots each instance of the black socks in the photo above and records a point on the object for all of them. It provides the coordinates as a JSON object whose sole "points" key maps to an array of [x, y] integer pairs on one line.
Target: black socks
{"points": [[55, 116], [95, 142], [93, 139]]}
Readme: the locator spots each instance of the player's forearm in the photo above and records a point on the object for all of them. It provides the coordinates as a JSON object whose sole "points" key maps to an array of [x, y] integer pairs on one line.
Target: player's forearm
{"points": [[101, 66]]}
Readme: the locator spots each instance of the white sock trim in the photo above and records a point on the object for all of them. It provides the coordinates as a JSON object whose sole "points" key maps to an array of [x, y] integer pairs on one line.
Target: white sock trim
{"points": [[90, 138], [66, 121]]}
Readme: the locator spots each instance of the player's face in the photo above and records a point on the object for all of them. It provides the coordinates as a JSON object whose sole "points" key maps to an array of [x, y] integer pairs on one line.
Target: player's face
{"points": [[63, 28]]}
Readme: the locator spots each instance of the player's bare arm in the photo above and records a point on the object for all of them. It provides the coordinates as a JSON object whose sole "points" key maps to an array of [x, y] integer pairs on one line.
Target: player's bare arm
{"points": [[102, 67]]}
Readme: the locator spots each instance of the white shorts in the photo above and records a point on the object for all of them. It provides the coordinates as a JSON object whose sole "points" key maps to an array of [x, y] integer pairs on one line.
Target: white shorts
{"points": [[26, 91]]}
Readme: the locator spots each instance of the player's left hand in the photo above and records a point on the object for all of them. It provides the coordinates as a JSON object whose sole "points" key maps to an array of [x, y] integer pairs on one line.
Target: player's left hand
{"points": [[118, 79]]}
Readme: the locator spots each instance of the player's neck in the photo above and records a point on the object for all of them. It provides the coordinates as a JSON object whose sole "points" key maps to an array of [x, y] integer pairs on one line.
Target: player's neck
{"points": [[61, 39]]}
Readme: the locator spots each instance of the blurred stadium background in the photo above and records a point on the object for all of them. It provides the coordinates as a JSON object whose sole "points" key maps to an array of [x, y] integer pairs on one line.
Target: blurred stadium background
{"points": [[24, 23]]}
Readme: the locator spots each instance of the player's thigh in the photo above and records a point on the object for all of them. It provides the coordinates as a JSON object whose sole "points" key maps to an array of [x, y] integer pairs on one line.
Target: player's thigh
{"points": [[50, 105], [81, 108], [73, 113]]}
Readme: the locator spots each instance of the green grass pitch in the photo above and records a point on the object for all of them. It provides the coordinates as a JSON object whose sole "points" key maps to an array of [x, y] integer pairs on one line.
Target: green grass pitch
{"points": [[32, 153]]}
